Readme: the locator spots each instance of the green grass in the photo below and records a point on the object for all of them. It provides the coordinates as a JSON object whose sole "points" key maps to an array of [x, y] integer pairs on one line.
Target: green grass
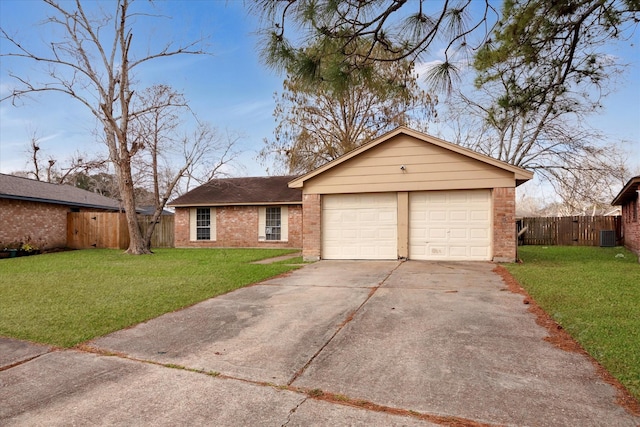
{"points": [[69, 297], [594, 293]]}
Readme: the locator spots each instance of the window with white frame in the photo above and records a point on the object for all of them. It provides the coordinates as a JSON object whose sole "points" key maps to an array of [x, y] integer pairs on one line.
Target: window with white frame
{"points": [[202, 224], [273, 222]]}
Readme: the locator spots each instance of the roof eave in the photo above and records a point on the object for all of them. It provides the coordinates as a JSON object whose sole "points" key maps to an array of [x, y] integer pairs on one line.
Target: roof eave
{"points": [[222, 204], [627, 190], [58, 202]]}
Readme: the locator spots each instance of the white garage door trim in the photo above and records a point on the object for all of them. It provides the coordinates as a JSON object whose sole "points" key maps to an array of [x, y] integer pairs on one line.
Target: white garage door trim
{"points": [[450, 225], [360, 226]]}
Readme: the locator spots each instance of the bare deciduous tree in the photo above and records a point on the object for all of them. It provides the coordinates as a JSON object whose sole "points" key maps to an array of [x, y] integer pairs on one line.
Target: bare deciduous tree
{"points": [[579, 162], [55, 170], [545, 72], [94, 63], [166, 155]]}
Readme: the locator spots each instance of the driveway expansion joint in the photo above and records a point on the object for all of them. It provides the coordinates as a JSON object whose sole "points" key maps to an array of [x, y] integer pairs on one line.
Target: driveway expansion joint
{"points": [[23, 361], [293, 410], [348, 319]]}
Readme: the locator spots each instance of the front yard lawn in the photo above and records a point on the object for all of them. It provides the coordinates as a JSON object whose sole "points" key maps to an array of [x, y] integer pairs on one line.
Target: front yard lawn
{"points": [[594, 293], [69, 297]]}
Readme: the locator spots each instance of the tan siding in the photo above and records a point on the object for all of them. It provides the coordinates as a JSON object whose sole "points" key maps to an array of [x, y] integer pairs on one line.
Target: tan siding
{"points": [[427, 167], [409, 186]]}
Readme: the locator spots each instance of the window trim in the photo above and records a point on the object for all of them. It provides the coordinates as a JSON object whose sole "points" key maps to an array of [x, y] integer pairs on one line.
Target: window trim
{"points": [[284, 223], [193, 224]]}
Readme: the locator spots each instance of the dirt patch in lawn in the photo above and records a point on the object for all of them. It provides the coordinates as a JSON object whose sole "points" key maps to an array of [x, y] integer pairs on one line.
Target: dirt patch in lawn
{"points": [[561, 339]]}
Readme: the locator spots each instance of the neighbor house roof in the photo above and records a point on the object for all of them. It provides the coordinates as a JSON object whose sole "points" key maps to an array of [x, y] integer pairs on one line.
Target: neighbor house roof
{"points": [[629, 192], [15, 187], [521, 175], [241, 191]]}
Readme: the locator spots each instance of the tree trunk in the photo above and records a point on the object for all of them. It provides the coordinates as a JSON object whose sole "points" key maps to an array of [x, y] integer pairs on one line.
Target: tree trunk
{"points": [[137, 244]]}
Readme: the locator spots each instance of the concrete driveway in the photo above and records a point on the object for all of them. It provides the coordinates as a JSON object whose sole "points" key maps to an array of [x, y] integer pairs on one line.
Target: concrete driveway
{"points": [[335, 343]]}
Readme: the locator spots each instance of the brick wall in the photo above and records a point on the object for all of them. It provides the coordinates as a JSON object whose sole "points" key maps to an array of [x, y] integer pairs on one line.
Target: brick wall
{"points": [[504, 224], [631, 226], [43, 223], [237, 227], [312, 227]]}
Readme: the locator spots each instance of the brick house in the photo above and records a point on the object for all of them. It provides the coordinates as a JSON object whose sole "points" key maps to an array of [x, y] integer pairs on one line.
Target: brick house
{"points": [[37, 211], [628, 198], [240, 212], [403, 195]]}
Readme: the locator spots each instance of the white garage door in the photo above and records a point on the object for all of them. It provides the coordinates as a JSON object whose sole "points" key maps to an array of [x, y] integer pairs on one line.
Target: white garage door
{"points": [[360, 226], [450, 225]]}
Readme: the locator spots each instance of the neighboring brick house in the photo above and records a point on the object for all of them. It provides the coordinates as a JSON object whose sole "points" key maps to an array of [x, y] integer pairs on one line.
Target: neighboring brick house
{"points": [[240, 212], [37, 211], [403, 195], [629, 199]]}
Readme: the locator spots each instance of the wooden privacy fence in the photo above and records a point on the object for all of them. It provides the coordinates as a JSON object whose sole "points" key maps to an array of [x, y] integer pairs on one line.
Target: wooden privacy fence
{"points": [[109, 230], [569, 230]]}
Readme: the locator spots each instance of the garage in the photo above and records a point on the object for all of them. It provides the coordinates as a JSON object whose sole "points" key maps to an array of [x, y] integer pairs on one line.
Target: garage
{"points": [[408, 195], [360, 226], [450, 225]]}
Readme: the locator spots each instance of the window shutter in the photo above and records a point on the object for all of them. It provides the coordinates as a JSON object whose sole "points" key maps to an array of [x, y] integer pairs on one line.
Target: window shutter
{"points": [[192, 224], [284, 224], [262, 223], [212, 235]]}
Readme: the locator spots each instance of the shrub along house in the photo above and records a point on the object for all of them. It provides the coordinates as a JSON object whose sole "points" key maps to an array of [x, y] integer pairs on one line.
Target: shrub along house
{"points": [[36, 211], [403, 195], [629, 199]]}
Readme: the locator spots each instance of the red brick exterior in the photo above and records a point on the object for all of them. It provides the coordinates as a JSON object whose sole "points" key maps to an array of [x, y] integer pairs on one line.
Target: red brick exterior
{"points": [[237, 227], [312, 227], [504, 224], [43, 224], [631, 225]]}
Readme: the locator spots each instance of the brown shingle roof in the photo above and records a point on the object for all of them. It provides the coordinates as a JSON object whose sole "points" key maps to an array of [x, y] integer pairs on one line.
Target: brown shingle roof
{"points": [[241, 191], [15, 187]]}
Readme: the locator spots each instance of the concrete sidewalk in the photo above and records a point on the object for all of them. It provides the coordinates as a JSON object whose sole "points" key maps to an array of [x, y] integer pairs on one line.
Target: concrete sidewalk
{"points": [[334, 343]]}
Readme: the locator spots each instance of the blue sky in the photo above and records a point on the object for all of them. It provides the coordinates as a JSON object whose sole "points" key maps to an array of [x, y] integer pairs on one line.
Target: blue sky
{"points": [[230, 88]]}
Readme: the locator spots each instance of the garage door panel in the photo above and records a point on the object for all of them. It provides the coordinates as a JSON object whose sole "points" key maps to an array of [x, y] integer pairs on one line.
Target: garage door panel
{"points": [[480, 251], [450, 225], [459, 234], [459, 215], [360, 226], [438, 216], [476, 215], [437, 233], [437, 251], [479, 233], [457, 251]]}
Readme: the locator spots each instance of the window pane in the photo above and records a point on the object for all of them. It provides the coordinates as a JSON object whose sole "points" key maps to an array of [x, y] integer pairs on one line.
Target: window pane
{"points": [[203, 234], [273, 223], [203, 217]]}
